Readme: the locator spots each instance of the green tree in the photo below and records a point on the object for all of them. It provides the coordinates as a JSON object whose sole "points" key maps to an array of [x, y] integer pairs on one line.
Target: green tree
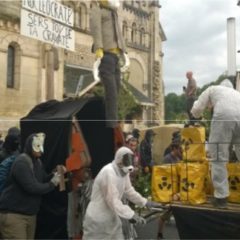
{"points": [[127, 106], [175, 105]]}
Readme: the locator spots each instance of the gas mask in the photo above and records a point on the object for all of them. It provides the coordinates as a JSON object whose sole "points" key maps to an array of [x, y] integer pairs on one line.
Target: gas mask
{"points": [[38, 141], [127, 163], [112, 4]]}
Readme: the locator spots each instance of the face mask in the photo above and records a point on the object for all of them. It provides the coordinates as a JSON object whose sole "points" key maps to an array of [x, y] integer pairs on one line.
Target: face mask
{"points": [[127, 169], [127, 163], [38, 141]]}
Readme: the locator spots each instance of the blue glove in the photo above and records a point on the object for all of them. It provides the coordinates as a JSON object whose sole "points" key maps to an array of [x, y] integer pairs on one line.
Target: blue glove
{"points": [[151, 204]]}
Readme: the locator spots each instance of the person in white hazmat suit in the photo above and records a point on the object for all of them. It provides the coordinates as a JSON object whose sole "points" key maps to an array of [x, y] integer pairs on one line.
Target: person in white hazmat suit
{"points": [[102, 219], [224, 130]]}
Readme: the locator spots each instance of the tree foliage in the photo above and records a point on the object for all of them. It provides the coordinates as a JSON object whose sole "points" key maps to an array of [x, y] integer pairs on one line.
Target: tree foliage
{"points": [[127, 106], [174, 108], [175, 105]]}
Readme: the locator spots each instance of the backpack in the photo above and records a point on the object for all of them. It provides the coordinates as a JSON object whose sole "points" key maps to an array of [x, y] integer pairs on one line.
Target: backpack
{"points": [[5, 167]]}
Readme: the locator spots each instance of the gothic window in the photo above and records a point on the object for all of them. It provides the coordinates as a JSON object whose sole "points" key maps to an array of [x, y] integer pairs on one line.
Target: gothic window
{"points": [[10, 66], [124, 30], [13, 65], [137, 74], [138, 3], [77, 18], [82, 19], [134, 33], [142, 37]]}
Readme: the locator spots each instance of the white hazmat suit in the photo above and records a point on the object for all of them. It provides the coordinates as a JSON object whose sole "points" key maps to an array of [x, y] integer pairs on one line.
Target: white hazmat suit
{"points": [[102, 219], [225, 128]]}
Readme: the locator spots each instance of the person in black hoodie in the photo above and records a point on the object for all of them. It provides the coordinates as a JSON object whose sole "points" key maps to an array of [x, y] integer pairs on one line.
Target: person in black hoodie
{"points": [[21, 198], [10, 147], [146, 151]]}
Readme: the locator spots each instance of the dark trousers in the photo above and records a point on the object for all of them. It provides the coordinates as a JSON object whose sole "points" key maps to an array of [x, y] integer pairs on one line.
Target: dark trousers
{"points": [[190, 100], [110, 76]]}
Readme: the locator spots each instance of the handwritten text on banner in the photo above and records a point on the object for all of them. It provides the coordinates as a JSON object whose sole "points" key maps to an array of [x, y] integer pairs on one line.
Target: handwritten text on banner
{"points": [[46, 30], [51, 9]]}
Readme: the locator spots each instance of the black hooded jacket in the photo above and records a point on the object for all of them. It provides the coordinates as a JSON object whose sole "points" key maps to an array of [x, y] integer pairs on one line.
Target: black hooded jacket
{"points": [[10, 146], [26, 184], [146, 149]]}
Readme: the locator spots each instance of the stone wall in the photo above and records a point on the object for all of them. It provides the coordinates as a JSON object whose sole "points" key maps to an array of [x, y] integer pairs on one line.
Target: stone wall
{"points": [[30, 88]]}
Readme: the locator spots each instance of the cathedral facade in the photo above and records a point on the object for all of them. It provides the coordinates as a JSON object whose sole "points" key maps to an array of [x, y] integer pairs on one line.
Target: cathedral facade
{"points": [[33, 71]]}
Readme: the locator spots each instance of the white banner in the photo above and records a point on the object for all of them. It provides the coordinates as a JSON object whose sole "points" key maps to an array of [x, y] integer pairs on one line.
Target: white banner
{"points": [[47, 30], [51, 9]]}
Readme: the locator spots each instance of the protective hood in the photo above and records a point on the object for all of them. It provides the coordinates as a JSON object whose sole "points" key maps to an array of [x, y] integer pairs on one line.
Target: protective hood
{"points": [[14, 131], [112, 4], [11, 143], [149, 135], [124, 160], [120, 153], [136, 133], [226, 83]]}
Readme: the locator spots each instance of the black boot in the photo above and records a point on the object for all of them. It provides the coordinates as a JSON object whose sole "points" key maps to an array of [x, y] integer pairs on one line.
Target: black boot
{"points": [[160, 236], [219, 203]]}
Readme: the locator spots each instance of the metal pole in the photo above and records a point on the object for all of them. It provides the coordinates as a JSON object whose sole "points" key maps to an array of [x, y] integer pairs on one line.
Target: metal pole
{"points": [[231, 47]]}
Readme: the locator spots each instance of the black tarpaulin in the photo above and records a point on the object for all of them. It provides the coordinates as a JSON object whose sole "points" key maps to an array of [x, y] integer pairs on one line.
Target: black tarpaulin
{"points": [[54, 118], [197, 223]]}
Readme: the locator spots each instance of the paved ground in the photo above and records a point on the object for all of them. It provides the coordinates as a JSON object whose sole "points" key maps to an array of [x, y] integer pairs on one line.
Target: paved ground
{"points": [[170, 230], [149, 231]]}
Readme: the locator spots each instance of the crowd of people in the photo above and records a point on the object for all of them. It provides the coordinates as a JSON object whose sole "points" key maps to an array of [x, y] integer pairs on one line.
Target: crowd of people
{"points": [[23, 180], [26, 182]]}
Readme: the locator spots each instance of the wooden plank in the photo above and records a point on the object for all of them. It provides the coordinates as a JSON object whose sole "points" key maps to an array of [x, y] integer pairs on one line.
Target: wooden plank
{"points": [[62, 185]]}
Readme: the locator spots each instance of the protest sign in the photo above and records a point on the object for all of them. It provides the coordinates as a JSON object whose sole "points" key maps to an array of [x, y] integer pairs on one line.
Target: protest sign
{"points": [[51, 9], [47, 30]]}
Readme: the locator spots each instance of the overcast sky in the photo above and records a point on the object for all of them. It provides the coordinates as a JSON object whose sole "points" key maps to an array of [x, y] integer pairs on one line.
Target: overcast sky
{"points": [[196, 32]]}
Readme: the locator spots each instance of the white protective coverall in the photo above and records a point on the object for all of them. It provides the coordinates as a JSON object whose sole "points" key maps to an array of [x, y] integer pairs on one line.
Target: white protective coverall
{"points": [[225, 128], [102, 219]]}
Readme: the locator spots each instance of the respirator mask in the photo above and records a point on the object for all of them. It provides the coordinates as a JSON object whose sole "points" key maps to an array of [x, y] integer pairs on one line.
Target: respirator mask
{"points": [[127, 163]]}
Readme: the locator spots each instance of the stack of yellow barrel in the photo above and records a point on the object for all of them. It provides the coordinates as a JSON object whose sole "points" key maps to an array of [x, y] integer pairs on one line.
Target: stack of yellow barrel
{"points": [[188, 180]]}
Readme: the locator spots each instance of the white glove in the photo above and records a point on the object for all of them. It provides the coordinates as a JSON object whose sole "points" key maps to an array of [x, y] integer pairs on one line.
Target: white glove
{"points": [[55, 179], [126, 65], [136, 219], [96, 69]]}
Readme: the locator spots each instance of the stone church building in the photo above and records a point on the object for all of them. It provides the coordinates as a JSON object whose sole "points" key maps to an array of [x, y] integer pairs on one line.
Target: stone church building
{"points": [[32, 71]]}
